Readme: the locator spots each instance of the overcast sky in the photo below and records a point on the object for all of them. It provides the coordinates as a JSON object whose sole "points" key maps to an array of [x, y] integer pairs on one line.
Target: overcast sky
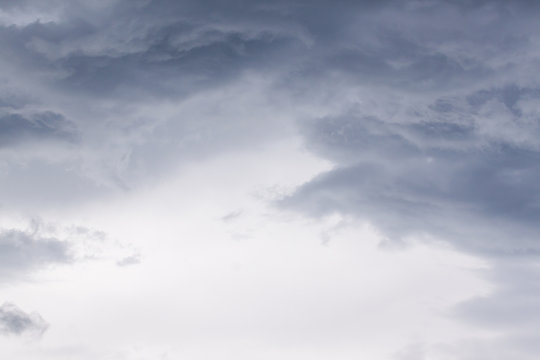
{"points": [[245, 179]]}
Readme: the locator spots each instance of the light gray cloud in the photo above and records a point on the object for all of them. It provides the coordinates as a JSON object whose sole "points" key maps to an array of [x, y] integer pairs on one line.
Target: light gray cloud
{"points": [[41, 246], [22, 251], [133, 259], [14, 321], [509, 313], [233, 215], [510, 309]]}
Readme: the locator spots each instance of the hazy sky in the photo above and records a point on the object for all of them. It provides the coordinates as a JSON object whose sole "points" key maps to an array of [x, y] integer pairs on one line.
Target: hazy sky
{"points": [[245, 179]]}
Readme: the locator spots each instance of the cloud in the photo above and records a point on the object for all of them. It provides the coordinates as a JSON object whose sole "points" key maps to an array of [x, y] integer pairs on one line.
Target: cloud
{"points": [[137, 79], [508, 309], [438, 134], [433, 133], [432, 177], [233, 215], [428, 111], [129, 260], [15, 128], [143, 87], [133, 49], [14, 321], [23, 251]]}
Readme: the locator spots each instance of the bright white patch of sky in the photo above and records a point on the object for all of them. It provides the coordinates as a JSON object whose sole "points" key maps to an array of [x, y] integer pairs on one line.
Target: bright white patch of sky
{"points": [[223, 275]]}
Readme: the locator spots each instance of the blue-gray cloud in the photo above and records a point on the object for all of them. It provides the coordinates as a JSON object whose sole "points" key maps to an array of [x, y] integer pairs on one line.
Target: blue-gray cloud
{"points": [[428, 113], [429, 176], [150, 49], [95, 63], [15, 128], [438, 136], [441, 134], [24, 251]]}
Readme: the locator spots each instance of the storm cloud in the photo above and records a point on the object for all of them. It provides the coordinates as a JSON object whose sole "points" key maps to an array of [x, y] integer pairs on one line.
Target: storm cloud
{"points": [[438, 177], [426, 112], [441, 136], [438, 60]]}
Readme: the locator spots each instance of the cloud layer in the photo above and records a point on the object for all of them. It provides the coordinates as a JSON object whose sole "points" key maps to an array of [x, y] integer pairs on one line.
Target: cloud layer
{"points": [[441, 134], [427, 111]]}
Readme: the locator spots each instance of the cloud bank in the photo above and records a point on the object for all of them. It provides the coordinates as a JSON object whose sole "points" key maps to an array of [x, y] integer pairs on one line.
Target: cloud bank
{"points": [[426, 109]]}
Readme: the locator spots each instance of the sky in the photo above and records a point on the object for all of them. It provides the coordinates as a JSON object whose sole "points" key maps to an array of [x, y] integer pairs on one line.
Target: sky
{"points": [[296, 179]]}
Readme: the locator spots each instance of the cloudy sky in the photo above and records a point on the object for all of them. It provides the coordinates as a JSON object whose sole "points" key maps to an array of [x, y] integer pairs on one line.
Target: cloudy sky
{"points": [[187, 179]]}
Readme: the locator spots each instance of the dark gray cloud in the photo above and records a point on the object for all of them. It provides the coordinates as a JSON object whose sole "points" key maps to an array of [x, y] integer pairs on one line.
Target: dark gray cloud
{"points": [[440, 135], [15, 128], [100, 64], [109, 69], [437, 177], [14, 321], [134, 49]]}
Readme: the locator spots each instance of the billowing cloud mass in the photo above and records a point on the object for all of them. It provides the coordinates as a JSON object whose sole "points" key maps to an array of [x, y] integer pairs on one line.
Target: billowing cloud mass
{"points": [[443, 135], [424, 114]]}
